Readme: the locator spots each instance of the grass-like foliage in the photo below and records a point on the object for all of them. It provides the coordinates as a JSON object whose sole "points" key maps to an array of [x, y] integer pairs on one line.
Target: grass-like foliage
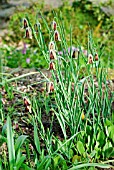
{"points": [[79, 98]]}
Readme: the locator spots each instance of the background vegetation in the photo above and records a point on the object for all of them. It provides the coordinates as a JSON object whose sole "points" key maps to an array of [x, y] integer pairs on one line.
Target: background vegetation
{"points": [[83, 17], [64, 118]]}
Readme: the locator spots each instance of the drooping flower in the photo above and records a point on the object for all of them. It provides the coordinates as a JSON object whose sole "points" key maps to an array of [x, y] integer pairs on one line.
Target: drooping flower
{"points": [[25, 23], [50, 87], [96, 57], [56, 36], [54, 25], [51, 46], [51, 66], [75, 53], [90, 59], [28, 33], [52, 55]]}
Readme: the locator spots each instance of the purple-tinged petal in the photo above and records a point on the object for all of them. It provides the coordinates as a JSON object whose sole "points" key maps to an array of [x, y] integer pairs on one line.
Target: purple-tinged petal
{"points": [[27, 60]]}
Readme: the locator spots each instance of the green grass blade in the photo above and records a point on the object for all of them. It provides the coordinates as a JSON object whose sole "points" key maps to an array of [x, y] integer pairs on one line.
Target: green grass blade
{"points": [[20, 162], [19, 142], [36, 139], [10, 143], [45, 159], [1, 164], [67, 142], [100, 165], [25, 167], [21, 76]]}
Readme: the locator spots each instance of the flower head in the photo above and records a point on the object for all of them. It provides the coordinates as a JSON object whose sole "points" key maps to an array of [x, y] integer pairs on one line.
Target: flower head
{"points": [[52, 55], [50, 87], [51, 66], [90, 59], [25, 23], [51, 46], [75, 53], [96, 57], [56, 36], [27, 60], [54, 25], [28, 33]]}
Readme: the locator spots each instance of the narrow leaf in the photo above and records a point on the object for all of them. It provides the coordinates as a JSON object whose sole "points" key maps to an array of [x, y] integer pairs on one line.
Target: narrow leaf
{"points": [[40, 166], [36, 139], [20, 162], [100, 165], [19, 142], [10, 143]]}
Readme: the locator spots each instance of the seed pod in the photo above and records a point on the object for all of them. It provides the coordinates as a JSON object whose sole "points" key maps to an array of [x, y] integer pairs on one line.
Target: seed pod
{"points": [[96, 57], [52, 55], [28, 33], [54, 25], [56, 36], [25, 23], [90, 59], [51, 46], [51, 66], [37, 27]]}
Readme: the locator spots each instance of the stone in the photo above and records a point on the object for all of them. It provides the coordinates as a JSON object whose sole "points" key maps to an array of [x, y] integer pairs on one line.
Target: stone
{"points": [[6, 13]]}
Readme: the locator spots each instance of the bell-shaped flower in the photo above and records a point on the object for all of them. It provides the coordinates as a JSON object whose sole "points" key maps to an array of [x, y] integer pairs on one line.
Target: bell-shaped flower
{"points": [[51, 66], [28, 33], [52, 54], [56, 36], [25, 23], [54, 25], [90, 59], [51, 46]]}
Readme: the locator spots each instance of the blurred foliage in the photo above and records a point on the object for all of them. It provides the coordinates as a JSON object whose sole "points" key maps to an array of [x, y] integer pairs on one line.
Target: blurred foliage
{"points": [[14, 58], [82, 16]]}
